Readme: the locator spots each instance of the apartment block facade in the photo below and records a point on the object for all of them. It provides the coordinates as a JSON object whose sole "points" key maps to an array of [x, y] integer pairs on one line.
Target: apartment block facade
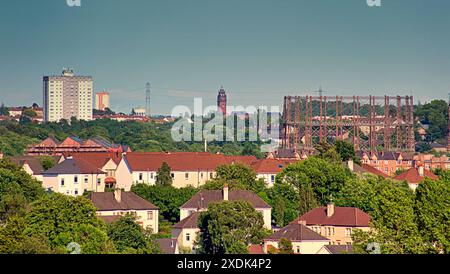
{"points": [[102, 101], [67, 96]]}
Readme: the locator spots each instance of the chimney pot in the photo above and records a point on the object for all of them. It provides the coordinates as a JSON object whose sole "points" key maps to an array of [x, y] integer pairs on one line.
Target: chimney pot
{"points": [[225, 192], [118, 195], [421, 171], [330, 209], [351, 165]]}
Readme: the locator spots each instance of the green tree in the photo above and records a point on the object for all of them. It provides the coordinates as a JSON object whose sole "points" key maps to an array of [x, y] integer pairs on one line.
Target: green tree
{"points": [[435, 115], [164, 176], [4, 110], [17, 189], [359, 193], [325, 178], [285, 202], [168, 198], [393, 222], [13, 240], [328, 152], [229, 227], [345, 149], [130, 238], [279, 209], [63, 219], [236, 176], [47, 162], [433, 214], [285, 246], [29, 113]]}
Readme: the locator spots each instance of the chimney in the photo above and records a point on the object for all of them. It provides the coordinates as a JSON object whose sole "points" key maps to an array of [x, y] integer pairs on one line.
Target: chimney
{"points": [[421, 171], [118, 195], [225, 192], [351, 165], [330, 209], [302, 222]]}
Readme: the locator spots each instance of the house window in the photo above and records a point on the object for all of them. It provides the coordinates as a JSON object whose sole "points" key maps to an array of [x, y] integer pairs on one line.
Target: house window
{"points": [[186, 176], [272, 178], [140, 176], [188, 237], [172, 175], [76, 191], [99, 181], [75, 179], [151, 175], [386, 170], [86, 179], [62, 181], [201, 175], [348, 232], [149, 215], [210, 175], [297, 250]]}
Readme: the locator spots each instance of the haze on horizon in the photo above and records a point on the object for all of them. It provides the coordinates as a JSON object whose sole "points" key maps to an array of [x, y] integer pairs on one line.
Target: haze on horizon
{"points": [[259, 50]]}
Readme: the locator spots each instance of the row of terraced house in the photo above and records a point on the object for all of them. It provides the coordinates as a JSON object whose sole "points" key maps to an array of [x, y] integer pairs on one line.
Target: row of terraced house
{"points": [[323, 230]]}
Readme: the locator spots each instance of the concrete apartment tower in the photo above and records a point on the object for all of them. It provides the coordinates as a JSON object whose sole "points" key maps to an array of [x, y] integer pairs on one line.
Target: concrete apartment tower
{"points": [[222, 101], [67, 96], [102, 101]]}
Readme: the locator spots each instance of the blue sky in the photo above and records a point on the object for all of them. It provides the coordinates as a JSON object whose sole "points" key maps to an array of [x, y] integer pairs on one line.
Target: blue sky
{"points": [[259, 50]]}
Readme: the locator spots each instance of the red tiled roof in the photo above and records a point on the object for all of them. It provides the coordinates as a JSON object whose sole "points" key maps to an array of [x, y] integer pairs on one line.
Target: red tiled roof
{"points": [[412, 176], [71, 142], [182, 161], [97, 159], [49, 142], [296, 232], [105, 201], [204, 197], [271, 165], [371, 169], [343, 216], [255, 249]]}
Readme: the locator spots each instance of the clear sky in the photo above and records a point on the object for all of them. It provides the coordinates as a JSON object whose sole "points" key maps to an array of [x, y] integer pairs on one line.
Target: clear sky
{"points": [[259, 50]]}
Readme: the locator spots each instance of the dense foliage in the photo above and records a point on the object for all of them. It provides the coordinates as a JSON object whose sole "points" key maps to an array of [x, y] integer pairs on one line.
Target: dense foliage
{"points": [[403, 221], [149, 137], [130, 238], [163, 175], [229, 227], [169, 199], [17, 190], [435, 115], [236, 176]]}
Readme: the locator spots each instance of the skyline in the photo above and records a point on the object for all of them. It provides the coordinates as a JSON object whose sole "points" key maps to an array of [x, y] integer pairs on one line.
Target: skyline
{"points": [[257, 49]]}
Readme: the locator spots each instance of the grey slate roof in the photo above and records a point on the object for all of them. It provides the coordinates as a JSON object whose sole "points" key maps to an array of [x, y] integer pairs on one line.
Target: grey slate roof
{"points": [[73, 166], [105, 201], [296, 232], [204, 197]]}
